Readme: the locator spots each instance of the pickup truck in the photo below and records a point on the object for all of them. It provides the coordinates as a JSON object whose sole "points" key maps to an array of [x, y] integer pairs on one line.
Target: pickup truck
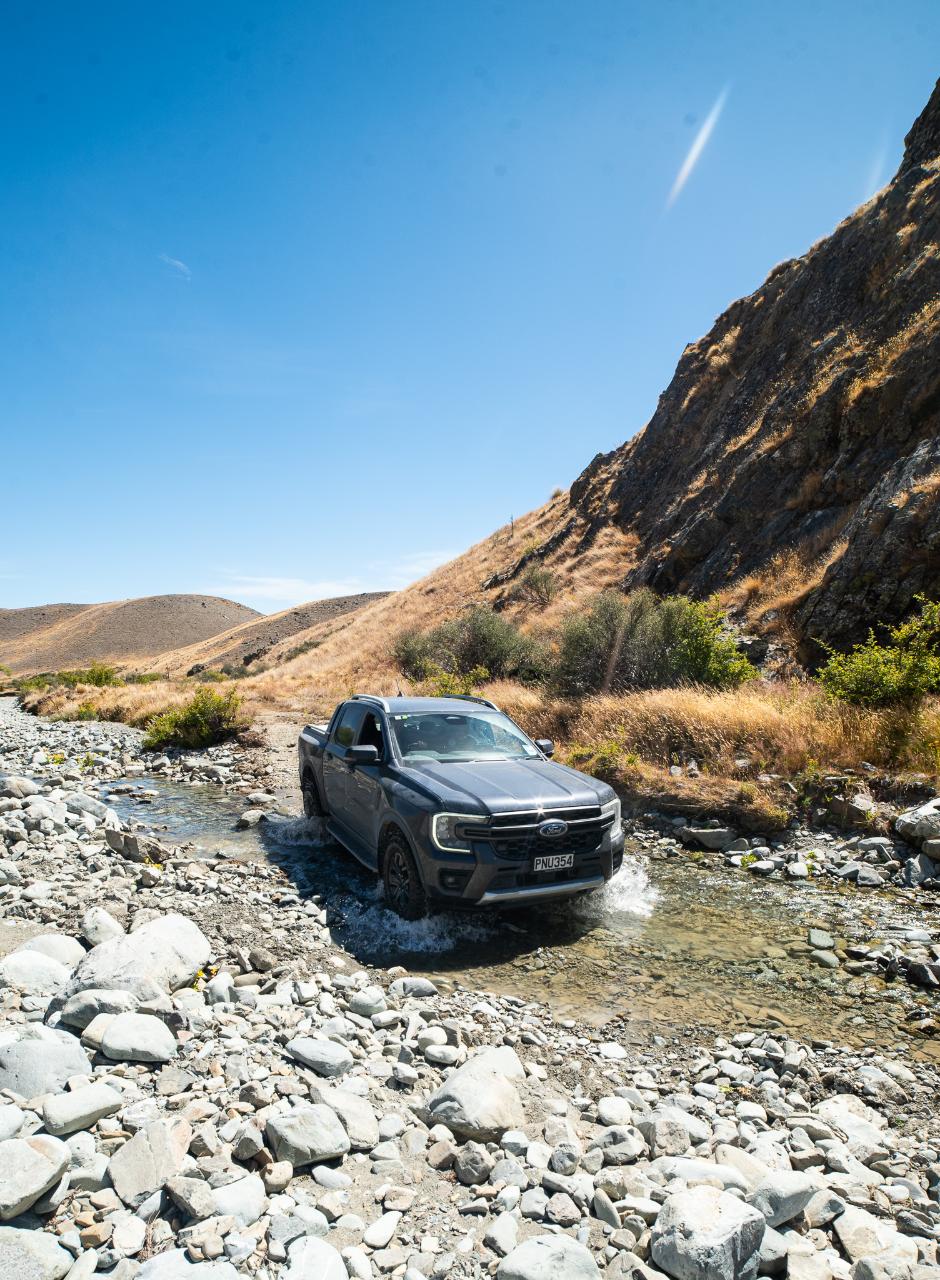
{"points": [[450, 803]]}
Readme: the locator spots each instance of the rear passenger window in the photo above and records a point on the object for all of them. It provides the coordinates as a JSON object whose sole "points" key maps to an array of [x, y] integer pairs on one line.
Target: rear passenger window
{"points": [[344, 735]]}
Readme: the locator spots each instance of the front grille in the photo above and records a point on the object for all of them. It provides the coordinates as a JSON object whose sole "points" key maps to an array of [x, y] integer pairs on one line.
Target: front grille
{"points": [[516, 835]]}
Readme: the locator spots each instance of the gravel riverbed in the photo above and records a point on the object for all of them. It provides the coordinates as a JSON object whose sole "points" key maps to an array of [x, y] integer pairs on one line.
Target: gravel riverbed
{"points": [[197, 1081]]}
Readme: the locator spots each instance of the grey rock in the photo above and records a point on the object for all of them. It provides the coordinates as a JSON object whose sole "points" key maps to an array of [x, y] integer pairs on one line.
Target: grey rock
{"points": [[31, 1255], [307, 1135], [153, 1155], [99, 925], [29, 1167], [32, 973], [174, 1265], [705, 1232], [325, 1057], [245, 1199], [162, 955], [81, 1009], [549, 1257], [502, 1234], [80, 1108], [57, 946], [40, 1060], [782, 1196], [479, 1100], [356, 1113], [138, 1037], [310, 1258], [420, 988]]}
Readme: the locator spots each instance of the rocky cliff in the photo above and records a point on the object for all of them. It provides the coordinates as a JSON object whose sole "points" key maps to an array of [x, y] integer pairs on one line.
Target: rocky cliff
{"points": [[806, 419]]}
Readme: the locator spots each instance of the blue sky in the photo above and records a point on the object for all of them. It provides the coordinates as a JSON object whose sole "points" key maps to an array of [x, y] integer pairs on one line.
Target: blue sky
{"points": [[302, 298]]}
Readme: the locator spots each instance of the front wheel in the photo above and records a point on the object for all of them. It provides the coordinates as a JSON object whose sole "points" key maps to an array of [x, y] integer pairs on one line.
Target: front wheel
{"points": [[404, 891]]}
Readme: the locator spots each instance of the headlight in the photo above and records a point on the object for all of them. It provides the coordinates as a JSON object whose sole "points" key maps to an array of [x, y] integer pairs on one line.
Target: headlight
{"points": [[610, 813], [444, 831]]}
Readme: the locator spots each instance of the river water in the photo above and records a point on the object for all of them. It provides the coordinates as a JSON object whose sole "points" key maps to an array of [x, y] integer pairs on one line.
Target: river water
{"points": [[666, 944]]}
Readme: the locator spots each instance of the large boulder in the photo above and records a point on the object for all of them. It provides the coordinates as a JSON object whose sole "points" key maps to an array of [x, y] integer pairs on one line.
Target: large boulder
{"points": [[32, 1255], [28, 1168], [479, 1100], [782, 1196], [548, 1258], [707, 1234], [307, 1135], [920, 823], [138, 1037], [32, 974], [161, 956], [145, 1163], [66, 1113], [862, 1126], [862, 1235], [59, 946], [40, 1060], [18, 788]]}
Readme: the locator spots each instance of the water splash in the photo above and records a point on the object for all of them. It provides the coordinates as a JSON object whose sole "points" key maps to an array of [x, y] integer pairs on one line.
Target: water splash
{"points": [[629, 892], [294, 831], [381, 931]]}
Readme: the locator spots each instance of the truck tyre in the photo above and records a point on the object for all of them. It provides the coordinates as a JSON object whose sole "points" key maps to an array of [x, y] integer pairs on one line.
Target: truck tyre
{"points": [[312, 806], [404, 892]]}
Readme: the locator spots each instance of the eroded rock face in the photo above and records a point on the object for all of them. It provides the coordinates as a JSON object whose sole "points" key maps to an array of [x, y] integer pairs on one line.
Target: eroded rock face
{"points": [[806, 418]]}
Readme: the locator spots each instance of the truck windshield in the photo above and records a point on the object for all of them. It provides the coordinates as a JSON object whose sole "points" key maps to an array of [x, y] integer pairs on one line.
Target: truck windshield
{"points": [[478, 735]]}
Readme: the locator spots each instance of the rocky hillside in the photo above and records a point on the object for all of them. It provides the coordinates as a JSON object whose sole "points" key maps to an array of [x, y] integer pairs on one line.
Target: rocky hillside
{"points": [[57, 637], [807, 420]]}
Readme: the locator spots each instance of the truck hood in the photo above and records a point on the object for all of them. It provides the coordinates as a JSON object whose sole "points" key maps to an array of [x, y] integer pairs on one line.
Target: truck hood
{"points": [[508, 786]]}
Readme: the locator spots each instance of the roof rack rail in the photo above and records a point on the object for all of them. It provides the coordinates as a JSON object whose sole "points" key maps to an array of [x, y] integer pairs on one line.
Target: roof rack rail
{"points": [[370, 697], [469, 697]]}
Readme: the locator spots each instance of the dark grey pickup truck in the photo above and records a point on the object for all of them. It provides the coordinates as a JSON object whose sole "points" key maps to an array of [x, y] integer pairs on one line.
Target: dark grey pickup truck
{"points": [[451, 803]]}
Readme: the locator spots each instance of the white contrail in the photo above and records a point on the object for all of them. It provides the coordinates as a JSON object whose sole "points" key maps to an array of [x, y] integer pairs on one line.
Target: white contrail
{"points": [[697, 147]]}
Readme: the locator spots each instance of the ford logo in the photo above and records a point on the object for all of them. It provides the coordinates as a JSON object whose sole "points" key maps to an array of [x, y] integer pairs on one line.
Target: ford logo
{"points": [[553, 827]]}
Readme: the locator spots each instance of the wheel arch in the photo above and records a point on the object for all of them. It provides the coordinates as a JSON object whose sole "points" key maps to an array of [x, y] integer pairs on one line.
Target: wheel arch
{"points": [[393, 827]]}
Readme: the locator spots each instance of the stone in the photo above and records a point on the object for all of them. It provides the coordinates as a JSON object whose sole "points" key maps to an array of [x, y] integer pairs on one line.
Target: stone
{"points": [[164, 954], [11, 1120], [307, 1135], [782, 1196], [358, 1117], [479, 1100], [245, 1200], [32, 1255], [41, 1060], [138, 1037], [310, 1258], [705, 1232], [99, 925], [29, 1167], [80, 1108], [920, 823], [380, 1233], [81, 1009], [144, 1163], [325, 1057], [174, 1265], [502, 1234], [548, 1257], [419, 988], [32, 973], [862, 1125], [862, 1235]]}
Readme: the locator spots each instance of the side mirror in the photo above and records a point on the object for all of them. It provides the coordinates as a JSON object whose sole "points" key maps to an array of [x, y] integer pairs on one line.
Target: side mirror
{"points": [[546, 746], [362, 755]]}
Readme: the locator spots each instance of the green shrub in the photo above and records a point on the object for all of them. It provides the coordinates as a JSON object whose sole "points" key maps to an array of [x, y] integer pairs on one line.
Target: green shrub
{"points": [[446, 684], [84, 711], [99, 674], [642, 641], [899, 673], [207, 718], [477, 638], [145, 677], [31, 684], [538, 584]]}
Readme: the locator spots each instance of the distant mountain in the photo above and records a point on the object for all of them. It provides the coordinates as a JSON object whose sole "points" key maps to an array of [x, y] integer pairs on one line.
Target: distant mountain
{"points": [[61, 636]]}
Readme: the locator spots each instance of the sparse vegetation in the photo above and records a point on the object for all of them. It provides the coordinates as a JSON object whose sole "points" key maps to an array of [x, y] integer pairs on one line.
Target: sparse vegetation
{"points": [[538, 584], [900, 672], [642, 641], [208, 717], [477, 639]]}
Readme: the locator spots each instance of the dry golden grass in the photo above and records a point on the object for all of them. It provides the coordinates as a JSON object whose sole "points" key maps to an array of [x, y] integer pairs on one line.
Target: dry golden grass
{"points": [[783, 583], [881, 363]]}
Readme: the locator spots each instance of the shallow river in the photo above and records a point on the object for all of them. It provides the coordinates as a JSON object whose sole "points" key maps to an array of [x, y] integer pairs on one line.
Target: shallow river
{"points": [[667, 943]]}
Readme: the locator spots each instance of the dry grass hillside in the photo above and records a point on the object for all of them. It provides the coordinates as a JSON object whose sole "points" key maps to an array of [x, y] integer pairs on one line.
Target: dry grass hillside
{"points": [[121, 631]]}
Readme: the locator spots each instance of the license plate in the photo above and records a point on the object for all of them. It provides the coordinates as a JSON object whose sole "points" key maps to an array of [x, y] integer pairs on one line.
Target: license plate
{"points": [[555, 862]]}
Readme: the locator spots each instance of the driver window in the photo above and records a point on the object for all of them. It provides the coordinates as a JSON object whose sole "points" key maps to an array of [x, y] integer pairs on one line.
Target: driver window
{"points": [[370, 735], [344, 735]]}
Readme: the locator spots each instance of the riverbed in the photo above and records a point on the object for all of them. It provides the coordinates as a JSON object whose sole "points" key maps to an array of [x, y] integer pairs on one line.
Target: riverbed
{"points": [[666, 944]]}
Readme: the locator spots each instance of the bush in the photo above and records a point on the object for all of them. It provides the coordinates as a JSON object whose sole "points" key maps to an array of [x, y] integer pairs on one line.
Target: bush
{"points": [[144, 677], [899, 673], [641, 641], [99, 674], [445, 684], [207, 718], [478, 638], [538, 584]]}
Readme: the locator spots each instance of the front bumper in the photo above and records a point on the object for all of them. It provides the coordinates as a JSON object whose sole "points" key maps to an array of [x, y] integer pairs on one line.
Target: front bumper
{"points": [[485, 880]]}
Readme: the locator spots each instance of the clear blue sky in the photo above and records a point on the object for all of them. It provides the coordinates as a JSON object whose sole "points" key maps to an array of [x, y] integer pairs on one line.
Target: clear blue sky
{"points": [[303, 297]]}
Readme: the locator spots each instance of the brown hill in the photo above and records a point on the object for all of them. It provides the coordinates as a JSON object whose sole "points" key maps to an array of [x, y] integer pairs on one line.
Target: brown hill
{"points": [[255, 641], [122, 631], [793, 462]]}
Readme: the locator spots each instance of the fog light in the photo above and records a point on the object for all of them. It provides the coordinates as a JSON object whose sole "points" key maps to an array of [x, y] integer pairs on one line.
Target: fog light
{"points": [[454, 881]]}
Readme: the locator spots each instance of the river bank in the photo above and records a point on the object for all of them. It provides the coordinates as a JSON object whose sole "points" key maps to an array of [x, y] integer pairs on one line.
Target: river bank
{"points": [[289, 1014]]}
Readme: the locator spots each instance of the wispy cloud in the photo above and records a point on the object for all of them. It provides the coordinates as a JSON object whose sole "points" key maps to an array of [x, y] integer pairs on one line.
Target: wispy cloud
{"points": [[876, 172], [180, 267], [274, 592], [698, 146]]}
